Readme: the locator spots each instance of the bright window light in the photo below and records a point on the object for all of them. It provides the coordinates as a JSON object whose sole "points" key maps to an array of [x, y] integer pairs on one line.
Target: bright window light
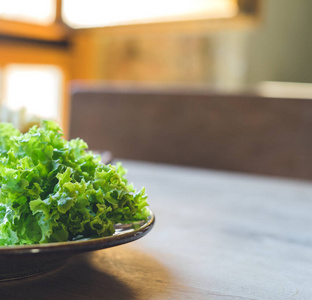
{"points": [[97, 13], [33, 11], [37, 88], [1, 85]]}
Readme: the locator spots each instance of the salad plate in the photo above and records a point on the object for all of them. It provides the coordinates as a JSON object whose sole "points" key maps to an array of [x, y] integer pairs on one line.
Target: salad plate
{"points": [[18, 262]]}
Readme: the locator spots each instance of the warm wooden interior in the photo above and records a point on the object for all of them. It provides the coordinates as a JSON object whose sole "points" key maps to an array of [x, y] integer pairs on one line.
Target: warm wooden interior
{"points": [[119, 52]]}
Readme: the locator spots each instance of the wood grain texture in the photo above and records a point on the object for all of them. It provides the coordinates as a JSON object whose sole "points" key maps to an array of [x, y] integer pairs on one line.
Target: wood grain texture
{"points": [[218, 236]]}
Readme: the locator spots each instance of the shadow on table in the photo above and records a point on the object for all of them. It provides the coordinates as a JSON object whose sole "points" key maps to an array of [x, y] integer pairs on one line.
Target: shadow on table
{"points": [[118, 273]]}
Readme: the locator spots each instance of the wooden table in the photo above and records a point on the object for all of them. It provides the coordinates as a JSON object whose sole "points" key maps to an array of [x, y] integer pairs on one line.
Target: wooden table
{"points": [[218, 235]]}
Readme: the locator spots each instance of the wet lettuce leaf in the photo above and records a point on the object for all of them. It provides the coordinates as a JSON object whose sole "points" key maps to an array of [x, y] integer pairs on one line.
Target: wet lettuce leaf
{"points": [[53, 190]]}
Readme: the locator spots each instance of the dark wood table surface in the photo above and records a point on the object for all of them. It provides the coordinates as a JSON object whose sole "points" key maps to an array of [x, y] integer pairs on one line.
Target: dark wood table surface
{"points": [[218, 235]]}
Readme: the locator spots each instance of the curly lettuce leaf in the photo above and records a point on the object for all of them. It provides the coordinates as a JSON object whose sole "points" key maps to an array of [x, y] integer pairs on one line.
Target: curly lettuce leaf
{"points": [[53, 190]]}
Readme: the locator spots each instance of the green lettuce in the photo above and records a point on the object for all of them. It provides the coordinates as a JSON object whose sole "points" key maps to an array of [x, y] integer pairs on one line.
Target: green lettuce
{"points": [[53, 190]]}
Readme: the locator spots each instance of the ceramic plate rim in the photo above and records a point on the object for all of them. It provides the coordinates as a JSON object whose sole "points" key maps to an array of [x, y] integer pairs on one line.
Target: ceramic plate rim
{"points": [[82, 245]]}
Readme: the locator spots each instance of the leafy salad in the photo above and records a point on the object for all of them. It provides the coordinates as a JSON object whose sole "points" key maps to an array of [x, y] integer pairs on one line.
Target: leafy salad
{"points": [[53, 190]]}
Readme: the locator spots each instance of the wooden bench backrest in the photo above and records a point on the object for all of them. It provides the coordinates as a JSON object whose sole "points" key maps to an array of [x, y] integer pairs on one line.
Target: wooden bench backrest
{"points": [[238, 132]]}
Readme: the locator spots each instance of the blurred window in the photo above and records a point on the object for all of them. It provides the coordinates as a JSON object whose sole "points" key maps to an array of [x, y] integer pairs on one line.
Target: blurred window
{"points": [[96, 13], [33, 11], [33, 58], [1, 83], [37, 88]]}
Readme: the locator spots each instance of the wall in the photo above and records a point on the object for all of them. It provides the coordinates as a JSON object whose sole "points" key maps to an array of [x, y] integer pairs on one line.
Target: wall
{"points": [[208, 53], [281, 48], [276, 48]]}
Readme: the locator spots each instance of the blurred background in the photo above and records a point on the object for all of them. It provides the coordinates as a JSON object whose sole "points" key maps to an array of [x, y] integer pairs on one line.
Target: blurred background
{"points": [[44, 44], [228, 45]]}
